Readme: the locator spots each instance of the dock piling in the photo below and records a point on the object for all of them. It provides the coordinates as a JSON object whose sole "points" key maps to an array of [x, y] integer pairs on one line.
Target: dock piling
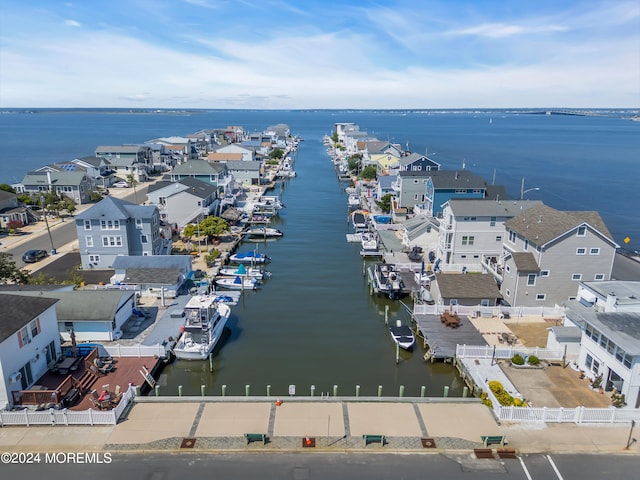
{"points": [[379, 390], [179, 390], [202, 390], [357, 390], [401, 391], [268, 390], [224, 390], [335, 390], [445, 394], [423, 391], [246, 390]]}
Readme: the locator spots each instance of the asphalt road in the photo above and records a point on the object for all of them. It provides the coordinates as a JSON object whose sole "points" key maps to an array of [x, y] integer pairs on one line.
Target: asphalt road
{"points": [[318, 466]]}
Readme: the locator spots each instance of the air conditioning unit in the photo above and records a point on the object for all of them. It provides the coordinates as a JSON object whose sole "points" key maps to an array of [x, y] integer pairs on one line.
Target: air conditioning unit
{"points": [[15, 377]]}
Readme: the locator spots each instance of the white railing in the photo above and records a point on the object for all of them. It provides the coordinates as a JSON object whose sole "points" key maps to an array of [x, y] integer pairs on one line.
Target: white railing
{"points": [[497, 311], [566, 415], [487, 351], [67, 417], [137, 351]]}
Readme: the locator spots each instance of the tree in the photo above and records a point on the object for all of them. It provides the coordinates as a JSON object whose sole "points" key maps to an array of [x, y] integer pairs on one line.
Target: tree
{"points": [[334, 137], [7, 188], [385, 203], [213, 227], [69, 205], [369, 173], [276, 153], [355, 162], [131, 178], [9, 272]]}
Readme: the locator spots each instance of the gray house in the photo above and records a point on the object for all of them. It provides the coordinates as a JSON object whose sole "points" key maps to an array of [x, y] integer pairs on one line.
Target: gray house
{"points": [[115, 227], [469, 290], [156, 276], [98, 170], [185, 201], [11, 211], [246, 173], [547, 253], [75, 184], [125, 160]]}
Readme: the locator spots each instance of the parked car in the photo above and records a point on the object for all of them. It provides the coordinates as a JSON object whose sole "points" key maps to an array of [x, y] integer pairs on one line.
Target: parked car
{"points": [[121, 184], [32, 256]]}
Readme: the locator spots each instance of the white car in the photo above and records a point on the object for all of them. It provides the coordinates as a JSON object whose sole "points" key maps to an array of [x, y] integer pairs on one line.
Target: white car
{"points": [[121, 184]]}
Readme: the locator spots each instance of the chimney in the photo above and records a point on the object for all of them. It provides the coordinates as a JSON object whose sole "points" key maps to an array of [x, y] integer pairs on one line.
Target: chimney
{"points": [[49, 179]]}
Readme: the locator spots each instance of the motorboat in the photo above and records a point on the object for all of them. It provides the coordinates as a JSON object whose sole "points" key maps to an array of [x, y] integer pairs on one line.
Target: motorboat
{"points": [[205, 319], [369, 241], [359, 220], [238, 283], [249, 257], [354, 200], [242, 271], [402, 335], [263, 232], [387, 280]]}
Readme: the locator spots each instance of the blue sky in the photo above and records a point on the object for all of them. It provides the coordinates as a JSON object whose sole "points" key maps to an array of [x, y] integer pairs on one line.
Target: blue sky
{"points": [[319, 53]]}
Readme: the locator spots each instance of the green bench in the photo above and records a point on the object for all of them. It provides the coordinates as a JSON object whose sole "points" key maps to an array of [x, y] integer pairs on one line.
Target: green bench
{"points": [[373, 439], [256, 437], [493, 440]]}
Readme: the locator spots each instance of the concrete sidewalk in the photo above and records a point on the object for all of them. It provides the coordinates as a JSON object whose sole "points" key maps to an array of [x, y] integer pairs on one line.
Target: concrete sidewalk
{"points": [[218, 424]]}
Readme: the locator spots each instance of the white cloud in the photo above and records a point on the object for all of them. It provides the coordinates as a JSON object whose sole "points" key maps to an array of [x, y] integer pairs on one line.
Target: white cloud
{"points": [[501, 30], [72, 23]]}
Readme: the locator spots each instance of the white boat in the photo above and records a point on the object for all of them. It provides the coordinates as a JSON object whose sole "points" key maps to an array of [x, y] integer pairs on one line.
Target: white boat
{"points": [[354, 200], [369, 241], [249, 257], [359, 220], [286, 169], [386, 279], [243, 271], [238, 283], [205, 319], [402, 335], [263, 232]]}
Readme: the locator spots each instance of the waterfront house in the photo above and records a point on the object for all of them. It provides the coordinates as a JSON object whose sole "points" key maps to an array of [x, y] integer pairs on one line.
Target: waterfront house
{"points": [[420, 231], [547, 252], [426, 191], [385, 163], [418, 163], [98, 170], [180, 149], [185, 201], [215, 174], [125, 160], [246, 173], [248, 155], [156, 276], [115, 227], [385, 185], [92, 315], [12, 213], [607, 315], [29, 342], [453, 289], [473, 231], [75, 185], [162, 159]]}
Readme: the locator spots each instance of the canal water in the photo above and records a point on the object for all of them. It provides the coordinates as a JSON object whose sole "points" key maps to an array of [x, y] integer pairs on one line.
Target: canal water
{"points": [[313, 323]]}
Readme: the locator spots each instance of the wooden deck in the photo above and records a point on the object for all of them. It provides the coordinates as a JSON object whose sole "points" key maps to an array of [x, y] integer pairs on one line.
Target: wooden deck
{"points": [[442, 340], [127, 371]]}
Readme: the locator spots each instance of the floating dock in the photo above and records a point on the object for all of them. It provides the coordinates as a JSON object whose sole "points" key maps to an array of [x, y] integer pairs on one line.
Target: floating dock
{"points": [[442, 340]]}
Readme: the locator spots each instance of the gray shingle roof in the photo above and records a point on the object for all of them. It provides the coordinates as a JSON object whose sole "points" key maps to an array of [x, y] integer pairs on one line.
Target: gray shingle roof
{"points": [[448, 179], [18, 311], [467, 286], [542, 224], [490, 208], [179, 262], [115, 208], [154, 276], [198, 188], [525, 262], [195, 167]]}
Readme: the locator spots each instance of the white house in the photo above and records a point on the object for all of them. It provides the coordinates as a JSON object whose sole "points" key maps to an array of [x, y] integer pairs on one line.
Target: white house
{"points": [[29, 342]]}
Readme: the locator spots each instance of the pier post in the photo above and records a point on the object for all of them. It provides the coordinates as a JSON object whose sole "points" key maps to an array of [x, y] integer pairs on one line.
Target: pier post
{"points": [[313, 390], [397, 353], [246, 390], [179, 390], [268, 390], [157, 389], [202, 389], [335, 390], [224, 390], [211, 362], [446, 391], [423, 390], [138, 391], [357, 390], [386, 314], [379, 390], [401, 391], [465, 392]]}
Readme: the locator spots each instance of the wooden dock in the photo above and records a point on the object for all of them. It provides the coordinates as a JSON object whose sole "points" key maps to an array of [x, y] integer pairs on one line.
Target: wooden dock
{"points": [[442, 340]]}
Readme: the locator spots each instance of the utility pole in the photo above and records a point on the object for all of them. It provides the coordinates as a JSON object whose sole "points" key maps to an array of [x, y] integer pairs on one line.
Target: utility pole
{"points": [[46, 221]]}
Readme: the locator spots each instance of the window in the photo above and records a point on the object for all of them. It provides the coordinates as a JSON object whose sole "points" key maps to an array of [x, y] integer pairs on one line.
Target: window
{"points": [[492, 221], [88, 241], [541, 296], [94, 258], [87, 224], [531, 279], [110, 225], [484, 302], [508, 268], [508, 292], [598, 276], [463, 256], [144, 239], [581, 251], [461, 191], [582, 231], [544, 273], [453, 301], [594, 251], [576, 276], [498, 238], [526, 245], [512, 236], [468, 240], [23, 336], [34, 327], [139, 223], [112, 241]]}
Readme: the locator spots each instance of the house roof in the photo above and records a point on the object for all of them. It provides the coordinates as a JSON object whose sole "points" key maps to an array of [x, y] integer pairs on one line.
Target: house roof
{"points": [[448, 179], [224, 156], [377, 146], [467, 286], [542, 224], [178, 262], [115, 208], [408, 159], [195, 167], [622, 328], [626, 292], [57, 178], [525, 262], [85, 305], [119, 149], [567, 334], [4, 195], [416, 226], [197, 187], [159, 185], [386, 181], [471, 207], [244, 165], [93, 161], [154, 276], [18, 311]]}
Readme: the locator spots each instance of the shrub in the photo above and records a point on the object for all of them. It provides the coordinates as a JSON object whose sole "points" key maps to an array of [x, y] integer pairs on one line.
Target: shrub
{"points": [[486, 400], [517, 359], [533, 360]]}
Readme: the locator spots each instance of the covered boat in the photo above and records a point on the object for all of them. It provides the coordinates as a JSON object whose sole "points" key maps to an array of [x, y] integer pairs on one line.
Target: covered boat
{"points": [[243, 271], [249, 257], [238, 283], [402, 335]]}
